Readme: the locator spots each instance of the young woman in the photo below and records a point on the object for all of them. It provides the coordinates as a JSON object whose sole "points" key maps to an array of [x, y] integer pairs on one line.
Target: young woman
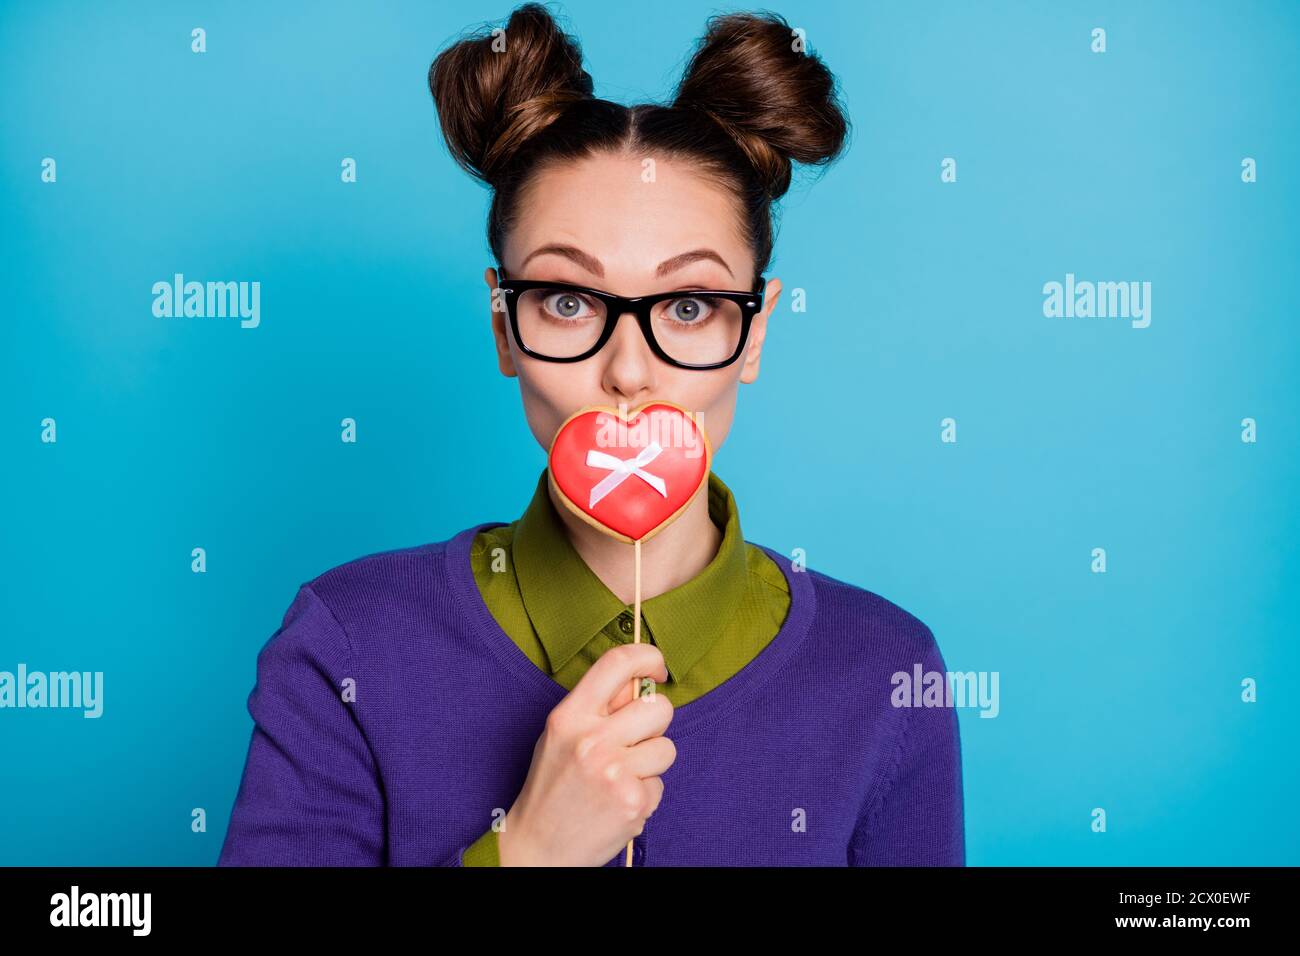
{"points": [[469, 702]]}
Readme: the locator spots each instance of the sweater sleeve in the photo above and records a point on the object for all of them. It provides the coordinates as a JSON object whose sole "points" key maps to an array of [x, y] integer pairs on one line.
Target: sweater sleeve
{"points": [[483, 851], [916, 816], [311, 793]]}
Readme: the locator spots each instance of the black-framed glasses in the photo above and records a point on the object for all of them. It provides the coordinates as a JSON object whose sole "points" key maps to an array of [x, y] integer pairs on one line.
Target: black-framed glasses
{"points": [[690, 328]]}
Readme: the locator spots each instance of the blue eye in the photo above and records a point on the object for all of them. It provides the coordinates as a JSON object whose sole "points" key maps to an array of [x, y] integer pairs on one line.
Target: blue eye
{"points": [[566, 305], [690, 310]]}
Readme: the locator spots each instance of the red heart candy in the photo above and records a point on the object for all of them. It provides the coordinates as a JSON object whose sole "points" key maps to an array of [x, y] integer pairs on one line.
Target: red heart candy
{"points": [[608, 472]]}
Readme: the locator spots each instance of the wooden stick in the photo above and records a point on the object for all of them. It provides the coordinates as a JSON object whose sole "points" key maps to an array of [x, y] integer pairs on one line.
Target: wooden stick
{"points": [[636, 639]]}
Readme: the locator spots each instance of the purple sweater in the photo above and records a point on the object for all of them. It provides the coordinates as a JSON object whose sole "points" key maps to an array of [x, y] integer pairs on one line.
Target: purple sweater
{"points": [[392, 716]]}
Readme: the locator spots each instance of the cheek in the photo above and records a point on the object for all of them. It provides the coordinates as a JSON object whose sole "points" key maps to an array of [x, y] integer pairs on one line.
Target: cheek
{"points": [[710, 394], [550, 392]]}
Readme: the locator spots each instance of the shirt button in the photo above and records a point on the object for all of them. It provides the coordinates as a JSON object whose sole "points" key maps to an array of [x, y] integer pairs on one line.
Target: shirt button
{"points": [[625, 622]]}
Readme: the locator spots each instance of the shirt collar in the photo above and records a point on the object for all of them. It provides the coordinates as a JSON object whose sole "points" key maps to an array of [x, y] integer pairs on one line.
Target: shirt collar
{"points": [[568, 604]]}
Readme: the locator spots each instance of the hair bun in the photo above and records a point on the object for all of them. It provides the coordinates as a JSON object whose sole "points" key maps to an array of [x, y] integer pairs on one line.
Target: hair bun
{"points": [[494, 91], [777, 102]]}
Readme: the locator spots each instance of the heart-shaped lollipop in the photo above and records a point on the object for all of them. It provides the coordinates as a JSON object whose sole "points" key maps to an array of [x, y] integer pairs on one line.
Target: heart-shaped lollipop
{"points": [[629, 475]]}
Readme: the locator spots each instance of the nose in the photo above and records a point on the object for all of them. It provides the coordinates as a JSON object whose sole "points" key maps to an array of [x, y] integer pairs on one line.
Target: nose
{"points": [[630, 367]]}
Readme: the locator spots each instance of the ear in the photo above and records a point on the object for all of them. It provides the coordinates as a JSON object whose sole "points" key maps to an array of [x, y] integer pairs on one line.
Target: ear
{"points": [[758, 332], [505, 361]]}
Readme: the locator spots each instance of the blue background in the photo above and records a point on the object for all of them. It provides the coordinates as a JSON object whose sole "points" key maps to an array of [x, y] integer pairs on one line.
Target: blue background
{"points": [[1118, 690]]}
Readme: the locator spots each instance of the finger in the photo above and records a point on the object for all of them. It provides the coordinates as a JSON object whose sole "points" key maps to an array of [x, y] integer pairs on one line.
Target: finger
{"points": [[655, 787], [651, 757], [639, 720], [612, 672], [626, 692]]}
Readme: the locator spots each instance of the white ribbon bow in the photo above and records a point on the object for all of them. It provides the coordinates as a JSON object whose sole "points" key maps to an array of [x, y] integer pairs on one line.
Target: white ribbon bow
{"points": [[621, 469]]}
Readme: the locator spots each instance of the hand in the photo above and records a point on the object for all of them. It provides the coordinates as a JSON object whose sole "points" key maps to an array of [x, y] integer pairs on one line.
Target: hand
{"points": [[594, 778]]}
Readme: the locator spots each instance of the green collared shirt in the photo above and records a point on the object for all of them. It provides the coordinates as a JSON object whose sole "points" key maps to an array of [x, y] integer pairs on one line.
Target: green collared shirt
{"points": [[563, 617]]}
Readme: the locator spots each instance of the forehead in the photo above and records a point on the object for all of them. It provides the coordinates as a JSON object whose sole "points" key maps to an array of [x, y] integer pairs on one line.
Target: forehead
{"points": [[631, 212]]}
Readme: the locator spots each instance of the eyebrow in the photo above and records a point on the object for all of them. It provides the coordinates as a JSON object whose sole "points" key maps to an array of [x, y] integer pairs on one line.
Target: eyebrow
{"points": [[593, 265]]}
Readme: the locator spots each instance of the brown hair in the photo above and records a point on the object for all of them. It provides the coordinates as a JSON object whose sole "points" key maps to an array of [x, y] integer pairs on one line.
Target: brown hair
{"points": [[748, 105]]}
